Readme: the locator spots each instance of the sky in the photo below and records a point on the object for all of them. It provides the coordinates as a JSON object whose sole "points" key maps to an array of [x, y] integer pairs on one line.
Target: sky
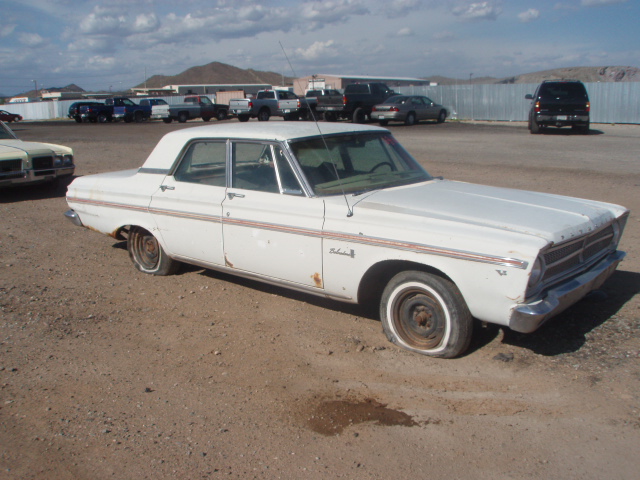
{"points": [[116, 44]]}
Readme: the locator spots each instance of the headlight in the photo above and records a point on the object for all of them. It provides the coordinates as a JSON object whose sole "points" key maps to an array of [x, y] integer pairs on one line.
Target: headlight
{"points": [[536, 273], [67, 160], [57, 161]]}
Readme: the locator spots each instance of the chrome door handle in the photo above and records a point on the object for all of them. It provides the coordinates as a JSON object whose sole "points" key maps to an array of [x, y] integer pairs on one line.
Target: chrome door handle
{"points": [[232, 195]]}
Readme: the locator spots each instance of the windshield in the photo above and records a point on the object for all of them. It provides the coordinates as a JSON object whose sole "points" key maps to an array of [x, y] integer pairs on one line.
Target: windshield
{"points": [[356, 163], [6, 133]]}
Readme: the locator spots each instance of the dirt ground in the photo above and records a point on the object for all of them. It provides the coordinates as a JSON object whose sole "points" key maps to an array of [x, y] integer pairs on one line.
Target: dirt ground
{"points": [[109, 373]]}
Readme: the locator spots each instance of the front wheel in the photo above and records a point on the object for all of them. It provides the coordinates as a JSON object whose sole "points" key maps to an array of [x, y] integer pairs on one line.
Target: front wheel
{"points": [[442, 116], [147, 254], [426, 314], [221, 115]]}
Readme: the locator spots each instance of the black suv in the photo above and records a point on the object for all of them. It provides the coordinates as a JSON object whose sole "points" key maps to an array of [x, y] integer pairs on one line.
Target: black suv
{"points": [[559, 103]]}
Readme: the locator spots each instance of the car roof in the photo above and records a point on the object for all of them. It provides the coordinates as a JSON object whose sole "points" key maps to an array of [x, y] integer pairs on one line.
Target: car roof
{"points": [[172, 143]]}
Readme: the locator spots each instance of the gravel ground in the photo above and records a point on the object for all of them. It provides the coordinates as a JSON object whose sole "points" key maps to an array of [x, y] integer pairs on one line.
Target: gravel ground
{"points": [[109, 373]]}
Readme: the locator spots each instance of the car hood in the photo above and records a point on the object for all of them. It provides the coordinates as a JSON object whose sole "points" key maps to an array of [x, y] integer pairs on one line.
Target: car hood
{"points": [[552, 217], [34, 148], [31, 147]]}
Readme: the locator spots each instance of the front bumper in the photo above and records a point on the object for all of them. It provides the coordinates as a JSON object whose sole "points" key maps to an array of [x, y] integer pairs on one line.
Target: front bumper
{"points": [[73, 217], [28, 177], [528, 317]]}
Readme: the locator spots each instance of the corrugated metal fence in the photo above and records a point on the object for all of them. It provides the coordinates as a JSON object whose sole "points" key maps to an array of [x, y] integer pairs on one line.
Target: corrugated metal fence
{"points": [[610, 102]]}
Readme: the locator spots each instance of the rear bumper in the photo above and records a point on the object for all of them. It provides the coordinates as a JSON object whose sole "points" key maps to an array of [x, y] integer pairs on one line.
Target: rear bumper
{"points": [[529, 317], [562, 120]]}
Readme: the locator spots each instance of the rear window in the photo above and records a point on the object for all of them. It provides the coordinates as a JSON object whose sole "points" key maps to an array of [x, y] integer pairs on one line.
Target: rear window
{"points": [[563, 90], [357, 88]]}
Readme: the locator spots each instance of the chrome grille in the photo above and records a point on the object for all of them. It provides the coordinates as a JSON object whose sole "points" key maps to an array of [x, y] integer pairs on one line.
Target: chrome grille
{"points": [[569, 257], [42, 166], [11, 169]]}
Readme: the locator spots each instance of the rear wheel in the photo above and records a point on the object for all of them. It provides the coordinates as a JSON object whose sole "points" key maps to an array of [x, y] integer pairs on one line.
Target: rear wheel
{"points": [[138, 117], [383, 123], [102, 118], [167, 120], [330, 116], [147, 255], [359, 116], [221, 115], [206, 119], [411, 119], [243, 118], [183, 117], [442, 116], [534, 128], [426, 314], [264, 115]]}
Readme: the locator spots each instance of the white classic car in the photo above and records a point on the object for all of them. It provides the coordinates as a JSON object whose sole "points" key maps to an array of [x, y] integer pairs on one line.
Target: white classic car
{"points": [[32, 162], [343, 211]]}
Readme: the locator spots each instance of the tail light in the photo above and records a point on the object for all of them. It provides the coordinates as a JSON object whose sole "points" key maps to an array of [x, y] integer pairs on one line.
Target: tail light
{"points": [[250, 104], [537, 107], [344, 100], [394, 109], [588, 107], [299, 104]]}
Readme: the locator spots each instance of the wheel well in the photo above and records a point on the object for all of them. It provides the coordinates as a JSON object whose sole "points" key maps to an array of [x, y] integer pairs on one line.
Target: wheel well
{"points": [[378, 276]]}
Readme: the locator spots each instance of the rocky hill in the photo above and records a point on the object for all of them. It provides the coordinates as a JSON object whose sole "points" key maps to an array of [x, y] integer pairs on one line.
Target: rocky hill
{"points": [[584, 74], [216, 73]]}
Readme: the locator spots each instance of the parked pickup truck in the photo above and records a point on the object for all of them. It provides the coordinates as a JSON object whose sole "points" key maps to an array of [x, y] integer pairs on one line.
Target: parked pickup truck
{"points": [[197, 106], [267, 104], [309, 102], [159, 108], [356, 103], [129, 111]]}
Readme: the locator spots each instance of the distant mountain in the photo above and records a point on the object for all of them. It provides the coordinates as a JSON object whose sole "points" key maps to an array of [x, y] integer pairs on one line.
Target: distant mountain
{"points": [[584, 74], [216, 73]]}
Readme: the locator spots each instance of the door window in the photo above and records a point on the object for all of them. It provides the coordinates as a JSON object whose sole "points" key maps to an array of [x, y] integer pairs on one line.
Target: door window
{"points": [[204, 162], [264, 168]]}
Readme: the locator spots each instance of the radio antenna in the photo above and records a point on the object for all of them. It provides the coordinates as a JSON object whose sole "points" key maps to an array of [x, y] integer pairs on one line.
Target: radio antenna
{"points": [[324, 141]]}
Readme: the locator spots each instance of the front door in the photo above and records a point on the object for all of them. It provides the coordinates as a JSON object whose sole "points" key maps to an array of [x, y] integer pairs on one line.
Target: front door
{"points": [[269, 227]]}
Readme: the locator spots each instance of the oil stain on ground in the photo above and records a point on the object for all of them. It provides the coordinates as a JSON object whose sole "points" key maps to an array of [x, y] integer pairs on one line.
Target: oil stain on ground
{"points": [[331, 417]]}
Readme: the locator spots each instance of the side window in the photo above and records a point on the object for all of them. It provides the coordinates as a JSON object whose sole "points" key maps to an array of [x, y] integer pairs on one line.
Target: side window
{"points": [[264, 168], [203, 162]]}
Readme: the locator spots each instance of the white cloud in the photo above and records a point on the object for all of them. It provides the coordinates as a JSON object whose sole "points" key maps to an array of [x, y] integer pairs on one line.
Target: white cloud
{"points": [[317, 50], [6, 30], [405, 32], [529, 16], [478, 11], [31, 40]]}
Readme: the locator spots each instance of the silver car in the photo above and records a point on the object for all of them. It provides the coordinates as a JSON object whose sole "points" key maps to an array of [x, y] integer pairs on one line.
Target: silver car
{"points": [[409, 109]]}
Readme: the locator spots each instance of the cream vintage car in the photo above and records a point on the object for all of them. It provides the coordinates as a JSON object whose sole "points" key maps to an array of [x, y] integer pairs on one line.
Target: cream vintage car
{"points": [[24, 163], [343, 211]]}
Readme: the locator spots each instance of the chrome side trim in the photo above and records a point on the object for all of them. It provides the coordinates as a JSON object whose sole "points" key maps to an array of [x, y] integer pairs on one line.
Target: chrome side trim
{"points": [[364, 240]]}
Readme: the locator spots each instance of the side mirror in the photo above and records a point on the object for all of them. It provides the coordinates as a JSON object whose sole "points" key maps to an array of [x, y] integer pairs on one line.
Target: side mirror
{"points": [[528, 96]]}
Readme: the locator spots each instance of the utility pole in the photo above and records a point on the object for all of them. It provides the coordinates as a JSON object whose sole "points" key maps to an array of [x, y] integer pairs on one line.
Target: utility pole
{"points": [[36, 85]]}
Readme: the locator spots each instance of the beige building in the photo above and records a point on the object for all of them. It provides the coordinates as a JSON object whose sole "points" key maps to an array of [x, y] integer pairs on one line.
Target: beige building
{"points": [[338, 82]]}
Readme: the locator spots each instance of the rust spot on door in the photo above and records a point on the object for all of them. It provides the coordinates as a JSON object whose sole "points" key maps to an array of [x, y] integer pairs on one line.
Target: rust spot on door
{"points": [[227, 262], [317, 279]]}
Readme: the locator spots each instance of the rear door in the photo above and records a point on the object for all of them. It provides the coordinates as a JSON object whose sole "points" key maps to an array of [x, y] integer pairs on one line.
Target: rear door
{"points": [[188, 206]]}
